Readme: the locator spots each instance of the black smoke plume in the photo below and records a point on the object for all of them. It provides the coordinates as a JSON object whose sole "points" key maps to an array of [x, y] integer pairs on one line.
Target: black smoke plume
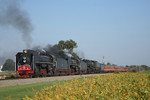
{"points": [[51, 50], [12, 15]]}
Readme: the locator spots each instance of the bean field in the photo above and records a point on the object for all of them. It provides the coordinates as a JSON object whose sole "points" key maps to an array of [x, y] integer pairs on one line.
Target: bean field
{"points": [[119, 86]]}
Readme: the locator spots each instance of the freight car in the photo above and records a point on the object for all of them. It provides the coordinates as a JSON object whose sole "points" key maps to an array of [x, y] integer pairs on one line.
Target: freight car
{"points": [[30, 63]]}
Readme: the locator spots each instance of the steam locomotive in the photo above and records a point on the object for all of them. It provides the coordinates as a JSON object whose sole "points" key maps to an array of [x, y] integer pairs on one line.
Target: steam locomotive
{"points": [[30, 63]]}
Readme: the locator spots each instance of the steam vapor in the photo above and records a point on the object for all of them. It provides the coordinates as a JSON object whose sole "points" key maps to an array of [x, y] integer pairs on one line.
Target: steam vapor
{"points": [[49, 49], [12, 15]]}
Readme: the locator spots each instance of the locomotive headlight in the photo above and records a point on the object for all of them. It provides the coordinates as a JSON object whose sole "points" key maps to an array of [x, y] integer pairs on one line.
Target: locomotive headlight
{"points": [[24, 61]]}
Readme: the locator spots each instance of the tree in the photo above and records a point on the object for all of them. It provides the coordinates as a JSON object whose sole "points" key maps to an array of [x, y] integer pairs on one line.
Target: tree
{"points": [[68, 45], [145, 67], [61, 45], [108, 63], [9, 65], [127, 66], [75, 55], [114, 65]]}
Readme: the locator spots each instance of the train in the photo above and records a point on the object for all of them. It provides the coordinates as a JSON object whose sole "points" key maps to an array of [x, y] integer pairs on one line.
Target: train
{"points": [[31, 63]]}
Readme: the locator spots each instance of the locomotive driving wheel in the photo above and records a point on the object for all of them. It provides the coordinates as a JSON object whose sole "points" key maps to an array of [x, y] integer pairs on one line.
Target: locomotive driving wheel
{"points": [[43, 72]]}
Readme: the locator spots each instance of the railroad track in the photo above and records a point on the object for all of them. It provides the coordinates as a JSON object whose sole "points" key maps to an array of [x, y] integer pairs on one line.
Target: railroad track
{"points": [[14, 82]]}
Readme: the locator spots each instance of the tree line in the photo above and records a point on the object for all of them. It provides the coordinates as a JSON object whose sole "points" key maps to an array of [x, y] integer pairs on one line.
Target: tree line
{"points": [[135, 68], [138, 68]]}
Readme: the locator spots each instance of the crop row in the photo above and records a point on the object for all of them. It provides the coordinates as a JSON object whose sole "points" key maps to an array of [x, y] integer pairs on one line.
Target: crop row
{"points": [[122, 86]]}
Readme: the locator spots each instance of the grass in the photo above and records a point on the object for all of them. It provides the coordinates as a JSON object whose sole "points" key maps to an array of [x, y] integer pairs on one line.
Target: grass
{"points": [[5, 73], [9, 74], [147, 71], [20, 91]]}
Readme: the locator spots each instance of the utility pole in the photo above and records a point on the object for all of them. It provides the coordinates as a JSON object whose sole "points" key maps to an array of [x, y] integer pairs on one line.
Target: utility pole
{"points": [[103, 60]]}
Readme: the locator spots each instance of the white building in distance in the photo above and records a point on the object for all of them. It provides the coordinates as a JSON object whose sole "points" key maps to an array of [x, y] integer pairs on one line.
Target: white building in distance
{"points": [[1, 68]]}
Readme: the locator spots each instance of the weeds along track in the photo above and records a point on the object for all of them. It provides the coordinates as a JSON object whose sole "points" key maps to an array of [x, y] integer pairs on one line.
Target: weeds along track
{"points": [[13, 82]]}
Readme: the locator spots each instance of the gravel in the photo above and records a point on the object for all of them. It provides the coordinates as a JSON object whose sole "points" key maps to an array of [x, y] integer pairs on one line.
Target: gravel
{"points": [[14, 82]]}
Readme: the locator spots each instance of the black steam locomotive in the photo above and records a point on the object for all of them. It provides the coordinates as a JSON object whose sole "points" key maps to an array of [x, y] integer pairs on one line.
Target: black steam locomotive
{"points": [[30, 63]]}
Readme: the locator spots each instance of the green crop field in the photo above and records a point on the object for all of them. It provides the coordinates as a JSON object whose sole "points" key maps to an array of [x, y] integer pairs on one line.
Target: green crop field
{"points": [[19, 91]]}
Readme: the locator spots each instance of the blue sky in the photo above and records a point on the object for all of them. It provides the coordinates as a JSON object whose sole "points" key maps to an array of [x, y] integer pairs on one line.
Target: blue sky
{"points": [[116, 29]]}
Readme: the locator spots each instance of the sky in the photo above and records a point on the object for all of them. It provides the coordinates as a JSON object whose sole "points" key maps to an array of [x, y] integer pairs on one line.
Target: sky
{"points": [[116, 29]]}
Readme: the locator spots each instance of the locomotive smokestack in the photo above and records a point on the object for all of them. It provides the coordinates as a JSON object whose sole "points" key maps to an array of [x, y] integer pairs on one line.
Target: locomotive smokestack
{"points": [[12, 15]]}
